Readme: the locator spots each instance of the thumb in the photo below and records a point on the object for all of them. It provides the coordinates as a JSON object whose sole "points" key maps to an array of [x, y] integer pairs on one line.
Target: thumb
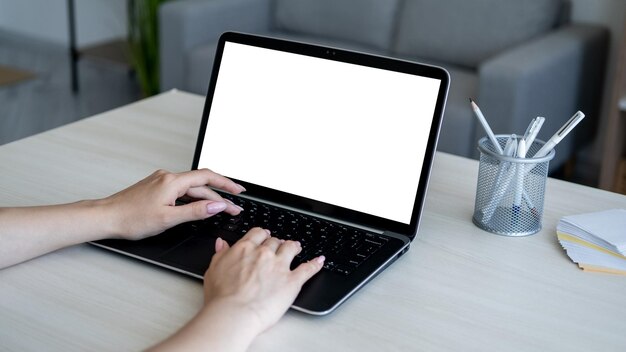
{"points": [[198, 210], [305, 271], [221, 245]]}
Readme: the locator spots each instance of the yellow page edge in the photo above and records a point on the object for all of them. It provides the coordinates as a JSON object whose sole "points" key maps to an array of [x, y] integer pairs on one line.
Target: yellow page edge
{"points": [[565, 237]]}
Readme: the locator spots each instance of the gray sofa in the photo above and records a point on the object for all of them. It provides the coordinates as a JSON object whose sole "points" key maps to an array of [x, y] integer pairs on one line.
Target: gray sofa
{"points": [[517, 59]]}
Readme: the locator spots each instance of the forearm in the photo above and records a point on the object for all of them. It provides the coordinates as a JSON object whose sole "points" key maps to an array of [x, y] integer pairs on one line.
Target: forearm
{"points": [[217, 327], [28, 232], [143, 209]]}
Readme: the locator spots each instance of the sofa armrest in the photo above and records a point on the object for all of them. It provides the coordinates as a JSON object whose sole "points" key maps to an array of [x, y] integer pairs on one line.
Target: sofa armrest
{"points": [[186, 24], [552, 76]]}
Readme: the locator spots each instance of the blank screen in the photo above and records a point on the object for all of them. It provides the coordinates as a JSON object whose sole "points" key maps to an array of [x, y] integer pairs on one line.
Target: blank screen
{"points": [[340, 133]]}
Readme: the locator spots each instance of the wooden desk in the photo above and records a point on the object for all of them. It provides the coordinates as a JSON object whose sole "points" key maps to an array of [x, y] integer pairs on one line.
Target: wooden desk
{"points": [[458, 288]]}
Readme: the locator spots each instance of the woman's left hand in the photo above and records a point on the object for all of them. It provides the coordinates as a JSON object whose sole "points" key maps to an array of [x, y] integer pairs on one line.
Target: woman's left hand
{"points": [[149, 206]]}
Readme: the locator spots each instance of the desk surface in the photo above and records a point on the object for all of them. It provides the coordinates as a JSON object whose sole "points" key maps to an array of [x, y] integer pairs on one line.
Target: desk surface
{"points": [[458, 288]]}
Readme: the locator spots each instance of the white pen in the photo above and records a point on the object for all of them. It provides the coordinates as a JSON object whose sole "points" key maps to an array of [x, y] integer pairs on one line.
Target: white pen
{"points": [[511, 145], [519, 185], [501, 184], [560, 134], [533, 130], [486, 127]]}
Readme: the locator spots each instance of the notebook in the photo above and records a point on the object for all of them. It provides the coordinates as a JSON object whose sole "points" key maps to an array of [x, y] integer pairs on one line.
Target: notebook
{"points": [[334, 148]]}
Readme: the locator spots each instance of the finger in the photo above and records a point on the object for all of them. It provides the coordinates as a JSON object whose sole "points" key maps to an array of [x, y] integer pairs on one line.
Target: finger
{"points": [[221, 248], [272, 243], [204, 192], [201, 177], [197, 210], [232, 209], [289, 250], [220, 245], [305, 271], [256, 235]]}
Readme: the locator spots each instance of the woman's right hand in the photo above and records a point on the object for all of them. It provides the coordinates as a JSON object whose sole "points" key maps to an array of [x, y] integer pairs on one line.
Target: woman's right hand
{"points": [[247, 289], [254, 276]]}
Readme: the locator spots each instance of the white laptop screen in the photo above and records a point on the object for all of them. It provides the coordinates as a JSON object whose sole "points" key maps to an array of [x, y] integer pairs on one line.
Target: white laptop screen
{"points": [[349, 135]]}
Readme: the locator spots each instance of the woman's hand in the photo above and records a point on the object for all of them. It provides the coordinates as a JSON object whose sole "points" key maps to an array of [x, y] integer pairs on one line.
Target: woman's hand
{"points": [[254, 276], [148, 207], [247, 288], [143, 209]]}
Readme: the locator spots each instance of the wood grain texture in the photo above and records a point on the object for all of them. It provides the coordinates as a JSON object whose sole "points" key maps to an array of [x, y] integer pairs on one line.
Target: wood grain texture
{"points": [[458, 288]]}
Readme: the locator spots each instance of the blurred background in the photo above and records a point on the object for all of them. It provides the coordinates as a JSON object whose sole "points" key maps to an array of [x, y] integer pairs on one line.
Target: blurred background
{"points": [[64, 60]]}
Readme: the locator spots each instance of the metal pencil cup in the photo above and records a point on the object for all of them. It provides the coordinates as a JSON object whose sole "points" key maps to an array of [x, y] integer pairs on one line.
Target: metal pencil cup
{"points": [[510, 191]]}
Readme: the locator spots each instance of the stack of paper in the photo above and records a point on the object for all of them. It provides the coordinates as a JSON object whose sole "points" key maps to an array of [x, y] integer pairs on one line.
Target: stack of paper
{"points": [[595, 241]]}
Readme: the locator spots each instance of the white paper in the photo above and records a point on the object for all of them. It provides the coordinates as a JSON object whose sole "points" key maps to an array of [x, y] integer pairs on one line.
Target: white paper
{"points": [[581, 254], [605, 228]]}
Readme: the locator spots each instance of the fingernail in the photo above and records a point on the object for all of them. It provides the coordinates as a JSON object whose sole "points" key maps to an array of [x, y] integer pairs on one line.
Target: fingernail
{"points": [[268, 231], [298, 244], [215, 207], [219, 244], [235, 205], [320, 259], [243, 189]]}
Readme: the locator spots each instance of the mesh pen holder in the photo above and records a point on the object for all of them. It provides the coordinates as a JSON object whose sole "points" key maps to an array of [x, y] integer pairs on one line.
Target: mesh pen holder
{"points": [[510, 191]]}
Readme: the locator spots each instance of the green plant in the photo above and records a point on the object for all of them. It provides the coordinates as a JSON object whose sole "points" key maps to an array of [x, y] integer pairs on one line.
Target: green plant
{"points": [[143, 39]]}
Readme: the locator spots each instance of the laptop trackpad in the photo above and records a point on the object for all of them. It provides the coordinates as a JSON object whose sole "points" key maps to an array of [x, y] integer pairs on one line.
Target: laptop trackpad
{"points": [[194, 255]]}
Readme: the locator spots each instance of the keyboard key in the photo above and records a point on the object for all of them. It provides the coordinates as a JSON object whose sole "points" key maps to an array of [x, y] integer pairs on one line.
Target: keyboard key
{"points": [[230, 227], [343, 270]]}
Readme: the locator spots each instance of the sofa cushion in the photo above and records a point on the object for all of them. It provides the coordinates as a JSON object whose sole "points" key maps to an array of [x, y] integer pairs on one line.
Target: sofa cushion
{"points": [[465, 32], [198, 68], [369, 22]]}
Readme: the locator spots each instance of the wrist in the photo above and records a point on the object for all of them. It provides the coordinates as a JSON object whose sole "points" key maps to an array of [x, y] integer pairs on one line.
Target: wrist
{"points": [[106, 217], [218, 326], [234, 318]]}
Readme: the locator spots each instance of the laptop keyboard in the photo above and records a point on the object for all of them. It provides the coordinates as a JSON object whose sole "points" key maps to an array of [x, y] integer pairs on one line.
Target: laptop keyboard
{"points": [[344, 247]]}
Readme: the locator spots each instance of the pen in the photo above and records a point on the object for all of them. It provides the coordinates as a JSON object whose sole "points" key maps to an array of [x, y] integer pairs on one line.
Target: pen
{"points": [[519, 186], [511, 145], [529, 137], [533, 130], [500, 187], [486, 127], [560, 134]]}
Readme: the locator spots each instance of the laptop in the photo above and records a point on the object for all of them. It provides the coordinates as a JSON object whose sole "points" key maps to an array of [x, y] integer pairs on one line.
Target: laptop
{"points": [[335, 149]]}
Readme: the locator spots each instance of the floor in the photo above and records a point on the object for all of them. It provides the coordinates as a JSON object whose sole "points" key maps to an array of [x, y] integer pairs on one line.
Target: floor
{"points": [[47, 101]]}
